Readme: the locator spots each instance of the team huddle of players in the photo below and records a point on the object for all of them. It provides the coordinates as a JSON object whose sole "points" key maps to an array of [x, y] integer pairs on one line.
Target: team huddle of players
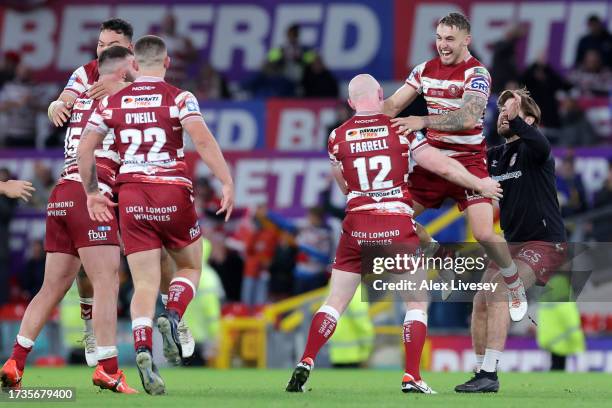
{"points": [[124, 148], [385, 191], [125, 143]]}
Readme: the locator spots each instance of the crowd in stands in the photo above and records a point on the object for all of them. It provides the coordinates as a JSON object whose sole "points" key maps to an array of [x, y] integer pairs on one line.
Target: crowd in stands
{"points": [[263, 256], [294, 70]]}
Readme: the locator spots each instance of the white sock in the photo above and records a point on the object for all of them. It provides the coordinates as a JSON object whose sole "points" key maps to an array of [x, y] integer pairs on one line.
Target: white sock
{"points": [[25, 342], [416, 315], [510, 272], [330, 311], [164, 298], [141, 321], [88, 325], [104, 352], [490, 361], [479, 360]]}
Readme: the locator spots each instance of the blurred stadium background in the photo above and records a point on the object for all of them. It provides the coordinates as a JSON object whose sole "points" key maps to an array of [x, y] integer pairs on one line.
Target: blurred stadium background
{"points": [[271, 78]]}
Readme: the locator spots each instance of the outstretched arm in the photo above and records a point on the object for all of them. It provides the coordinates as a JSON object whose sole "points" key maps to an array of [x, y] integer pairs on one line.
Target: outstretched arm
{"points": [[208, 149], [17, 189], [464, 118], [397, 102], [430, 158]]}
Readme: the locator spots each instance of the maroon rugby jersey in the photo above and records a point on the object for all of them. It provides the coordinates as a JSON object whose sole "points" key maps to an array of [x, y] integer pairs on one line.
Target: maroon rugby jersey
{"points": [[374, 161], [83, 78], [443, 87], [147, 119], [107, 159]]}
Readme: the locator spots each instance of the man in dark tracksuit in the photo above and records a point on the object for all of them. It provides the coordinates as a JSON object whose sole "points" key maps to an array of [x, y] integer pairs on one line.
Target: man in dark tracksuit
{"points": [[532, 224]]}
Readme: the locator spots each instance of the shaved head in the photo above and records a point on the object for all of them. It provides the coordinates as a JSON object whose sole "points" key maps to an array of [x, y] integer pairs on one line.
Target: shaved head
{"points": [[150, 51], [364, 92]]}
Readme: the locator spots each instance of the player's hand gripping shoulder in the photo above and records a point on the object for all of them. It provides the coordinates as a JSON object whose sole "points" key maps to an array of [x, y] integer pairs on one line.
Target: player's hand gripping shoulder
{"points": [[17, 189], [490, 188], [100, 89]]}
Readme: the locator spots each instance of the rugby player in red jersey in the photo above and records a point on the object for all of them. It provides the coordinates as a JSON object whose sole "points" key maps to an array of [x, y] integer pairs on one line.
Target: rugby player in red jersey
{"points": [[156, 206], [370, 163], [86, 78], [72, 238], [456, 88]]}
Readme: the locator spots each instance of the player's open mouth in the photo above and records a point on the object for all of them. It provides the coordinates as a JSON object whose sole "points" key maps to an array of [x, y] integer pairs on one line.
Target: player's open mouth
{"points": [[445, 53]]}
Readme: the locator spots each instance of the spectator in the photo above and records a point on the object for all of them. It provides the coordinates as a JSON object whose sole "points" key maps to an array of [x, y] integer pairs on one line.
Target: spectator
{"points": [[259, 250], [7, 210], [504, 67], [270, 82], [19, 103], [43, 182], [292, 54], [228, 265], [592, 77], [318, 81], [208, 203], [181, 51], [602, 227], [598, 39], [314, 249], [210, 84], [282, 266], [31, 278], [544, 83], [576, 130], [8, 66], [570, 189]]}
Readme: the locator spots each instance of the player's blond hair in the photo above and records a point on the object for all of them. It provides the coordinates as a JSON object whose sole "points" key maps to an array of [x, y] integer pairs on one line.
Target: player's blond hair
{"points": [[456, 20], [150, 51], [528, 105]]}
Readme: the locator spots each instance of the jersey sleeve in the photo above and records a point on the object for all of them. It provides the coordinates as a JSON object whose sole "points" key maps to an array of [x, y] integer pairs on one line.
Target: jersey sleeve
{"points": [[98, 119], [414, 79], [414, 140], [332, 148], [477, 81], [188, 107], [77, 84]]}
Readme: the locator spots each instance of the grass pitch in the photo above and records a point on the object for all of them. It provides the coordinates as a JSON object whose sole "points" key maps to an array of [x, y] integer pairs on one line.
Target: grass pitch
{"points": [[195, 387]]}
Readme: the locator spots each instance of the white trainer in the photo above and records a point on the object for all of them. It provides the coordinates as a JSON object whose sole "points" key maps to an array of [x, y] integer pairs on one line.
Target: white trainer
{"points": [[517, 302], [91, 355], [186, 339]]}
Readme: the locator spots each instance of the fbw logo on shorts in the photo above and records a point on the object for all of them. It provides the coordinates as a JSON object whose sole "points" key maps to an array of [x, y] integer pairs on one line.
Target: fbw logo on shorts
{"points": [[194, 231], [100, 235]]}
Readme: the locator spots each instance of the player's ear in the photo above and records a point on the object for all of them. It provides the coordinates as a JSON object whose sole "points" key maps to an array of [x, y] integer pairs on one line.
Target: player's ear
{"points": [[351, 104], [167, 62], [468, 40], [135, 64], [530, 120], [381, 96]]}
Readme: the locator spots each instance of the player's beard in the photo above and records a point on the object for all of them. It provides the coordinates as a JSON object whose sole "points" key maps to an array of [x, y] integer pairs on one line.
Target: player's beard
{"points": [[505, 132]]}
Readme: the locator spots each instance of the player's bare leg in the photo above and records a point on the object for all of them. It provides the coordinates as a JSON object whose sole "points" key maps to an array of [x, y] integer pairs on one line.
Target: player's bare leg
{"points": [[102, 265], [478, 327], [167, 273], [480, 218], [181, 291], [146, 275], [60, 272], [86, 295], [496, 325], [342, 289]]}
